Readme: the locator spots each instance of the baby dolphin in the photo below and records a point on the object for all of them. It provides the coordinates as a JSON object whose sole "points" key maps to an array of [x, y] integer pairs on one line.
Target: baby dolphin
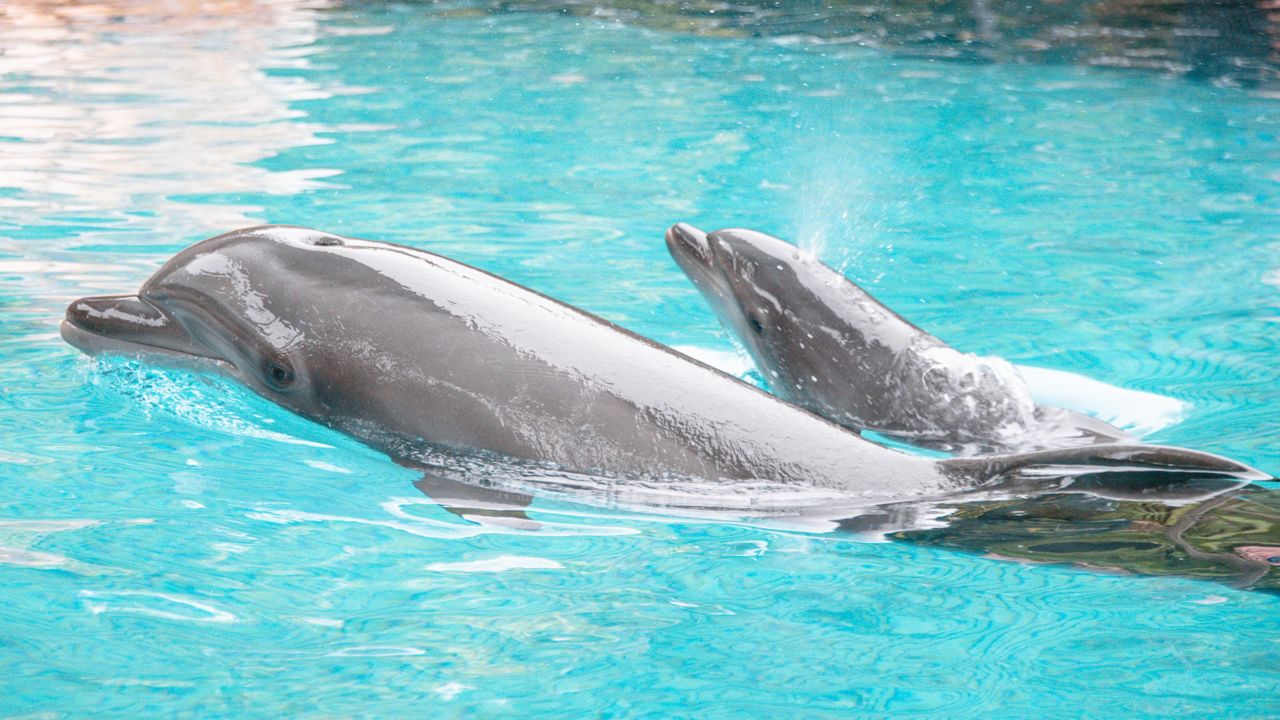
{"points": [[826, 344], [402, 348]]}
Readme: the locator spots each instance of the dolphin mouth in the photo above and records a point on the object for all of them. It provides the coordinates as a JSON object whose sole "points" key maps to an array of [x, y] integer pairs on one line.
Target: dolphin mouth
{"points": [[689, 246], [692, 250], [130, 325]]}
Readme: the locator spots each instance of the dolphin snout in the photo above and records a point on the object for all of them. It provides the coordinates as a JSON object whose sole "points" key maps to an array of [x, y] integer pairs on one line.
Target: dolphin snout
{"points": [[125, 323], [111, 314], [685, 241]]}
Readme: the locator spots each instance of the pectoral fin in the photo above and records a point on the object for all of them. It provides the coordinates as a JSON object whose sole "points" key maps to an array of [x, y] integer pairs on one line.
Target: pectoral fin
{"points": [[476, 503]]}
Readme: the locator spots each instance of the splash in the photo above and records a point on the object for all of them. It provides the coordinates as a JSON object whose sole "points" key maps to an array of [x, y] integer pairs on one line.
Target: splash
{"points": [[838, 196], [207, 402]]}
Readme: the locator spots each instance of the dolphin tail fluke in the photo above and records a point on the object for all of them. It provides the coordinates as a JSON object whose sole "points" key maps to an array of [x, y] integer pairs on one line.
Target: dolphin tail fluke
{"points": [[1119, 471]]}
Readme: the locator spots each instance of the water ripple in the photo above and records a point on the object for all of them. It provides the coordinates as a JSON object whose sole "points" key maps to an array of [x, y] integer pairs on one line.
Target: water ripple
{"points": [[986, 203], [426, 527], [153, 604], [501, 563]]}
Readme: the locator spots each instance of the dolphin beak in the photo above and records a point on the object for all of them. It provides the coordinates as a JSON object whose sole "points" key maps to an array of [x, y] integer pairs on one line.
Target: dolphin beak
{"points": [[126, 324], [687, 243]]}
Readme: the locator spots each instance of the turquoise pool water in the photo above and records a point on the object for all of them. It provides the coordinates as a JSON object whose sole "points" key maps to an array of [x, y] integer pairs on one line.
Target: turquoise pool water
{"points": [[176, 546]]}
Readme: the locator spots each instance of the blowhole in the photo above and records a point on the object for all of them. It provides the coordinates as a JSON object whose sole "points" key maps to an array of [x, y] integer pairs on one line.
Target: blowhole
{"points": [[326, 241]]}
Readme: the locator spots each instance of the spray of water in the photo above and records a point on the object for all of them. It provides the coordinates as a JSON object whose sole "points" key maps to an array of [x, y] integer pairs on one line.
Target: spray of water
{"points": [[840, 179]]}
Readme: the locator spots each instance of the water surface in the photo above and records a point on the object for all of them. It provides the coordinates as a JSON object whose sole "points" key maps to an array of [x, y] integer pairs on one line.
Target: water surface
{"points": [[177, 546]]}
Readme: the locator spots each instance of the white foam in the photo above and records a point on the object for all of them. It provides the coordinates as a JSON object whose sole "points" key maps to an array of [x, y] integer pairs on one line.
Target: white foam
{"points": [[1136, 411], [322, 622], [450, 690], [377, 651], [735, 363], [318, 465], [45, 526], [23, 557]]}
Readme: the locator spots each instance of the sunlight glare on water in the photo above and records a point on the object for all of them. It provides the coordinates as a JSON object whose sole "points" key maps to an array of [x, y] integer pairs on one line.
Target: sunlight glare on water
{"points": [[173, 545]]}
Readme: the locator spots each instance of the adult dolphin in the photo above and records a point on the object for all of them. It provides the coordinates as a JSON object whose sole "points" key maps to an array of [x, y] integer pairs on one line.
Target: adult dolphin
{"points": [[397, 346], [826, 344]]}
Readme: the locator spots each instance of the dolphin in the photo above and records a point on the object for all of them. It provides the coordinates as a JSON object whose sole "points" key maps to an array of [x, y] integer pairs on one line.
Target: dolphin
{"points": [[826, 344], [405, 349]]}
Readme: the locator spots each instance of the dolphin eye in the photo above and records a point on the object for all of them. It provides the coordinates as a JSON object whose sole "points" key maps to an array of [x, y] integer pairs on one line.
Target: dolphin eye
{"points": [[755, 324], [279, 375]]}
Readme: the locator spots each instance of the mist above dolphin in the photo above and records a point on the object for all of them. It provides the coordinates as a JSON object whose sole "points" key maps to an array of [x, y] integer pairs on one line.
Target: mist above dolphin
{"points": [[397, 347]]}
